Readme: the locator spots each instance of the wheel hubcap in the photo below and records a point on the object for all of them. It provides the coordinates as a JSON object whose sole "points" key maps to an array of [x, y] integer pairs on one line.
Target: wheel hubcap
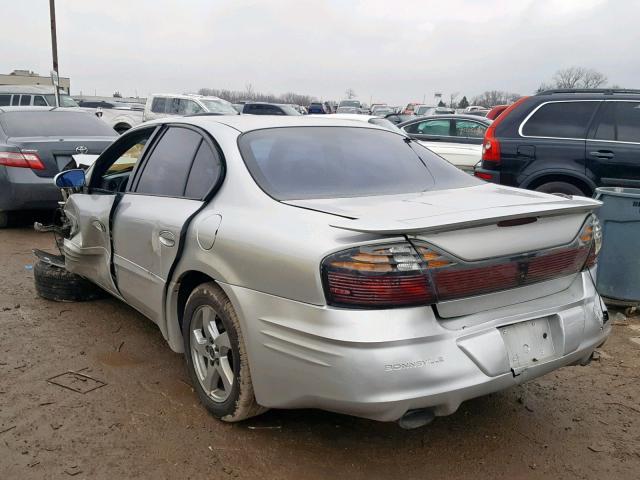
{"points": [[211, 354]]}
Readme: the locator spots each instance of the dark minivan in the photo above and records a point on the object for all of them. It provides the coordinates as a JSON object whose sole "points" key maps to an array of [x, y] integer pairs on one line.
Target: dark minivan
{"points": [[566, 141]]}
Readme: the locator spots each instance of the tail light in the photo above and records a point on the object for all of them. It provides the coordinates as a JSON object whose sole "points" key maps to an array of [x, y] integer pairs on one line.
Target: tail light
{"points": [[376, 276], [592, 234], [21, 160], [416, 273], [491, 145]]}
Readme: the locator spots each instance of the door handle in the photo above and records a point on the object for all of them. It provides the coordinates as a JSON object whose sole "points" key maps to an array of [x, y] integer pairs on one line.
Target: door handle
{"points": [[603, 154], [167, 238]]}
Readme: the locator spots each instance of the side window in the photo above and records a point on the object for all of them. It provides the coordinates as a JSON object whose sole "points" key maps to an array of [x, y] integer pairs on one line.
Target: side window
{"points": [[25, 100], [469, 129], [166, 170], [253, 109], [5, 100], [15, 100], [173, 106], [431, 127], [560, 120], [620, 122], [204, 174], [114, 175], [159, 105], [39, 101], [189, 107]]}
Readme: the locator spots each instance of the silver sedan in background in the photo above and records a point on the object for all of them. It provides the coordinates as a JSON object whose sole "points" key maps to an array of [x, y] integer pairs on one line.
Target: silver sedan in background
{"points": [[304, 262]]}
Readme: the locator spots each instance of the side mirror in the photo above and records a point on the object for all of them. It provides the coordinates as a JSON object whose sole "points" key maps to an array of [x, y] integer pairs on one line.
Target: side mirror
{"points": [[70, 179]]}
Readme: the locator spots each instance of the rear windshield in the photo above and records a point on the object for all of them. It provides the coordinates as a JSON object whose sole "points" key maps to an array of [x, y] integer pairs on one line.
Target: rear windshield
{"points": [[296, 163], [48, 123]]}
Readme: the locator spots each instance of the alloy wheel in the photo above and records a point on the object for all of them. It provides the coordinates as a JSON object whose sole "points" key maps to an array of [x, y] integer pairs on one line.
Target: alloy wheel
{"points": [[211, 354]]}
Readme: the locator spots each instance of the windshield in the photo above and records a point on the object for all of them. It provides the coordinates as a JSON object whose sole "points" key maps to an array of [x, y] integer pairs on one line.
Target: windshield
{"points": [[52, 123], [350, 103], [65, 100], [289, 110], [219, 106], [331, 162]]}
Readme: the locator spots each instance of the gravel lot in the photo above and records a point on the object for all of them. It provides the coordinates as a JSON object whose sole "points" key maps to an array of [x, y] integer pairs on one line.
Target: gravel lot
{"points": [[146, 422]]}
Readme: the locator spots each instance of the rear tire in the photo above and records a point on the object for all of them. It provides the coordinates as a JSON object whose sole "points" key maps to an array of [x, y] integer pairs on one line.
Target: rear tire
{"points": [[58, 284], [216, 355], [4, 219], [560, 187]]}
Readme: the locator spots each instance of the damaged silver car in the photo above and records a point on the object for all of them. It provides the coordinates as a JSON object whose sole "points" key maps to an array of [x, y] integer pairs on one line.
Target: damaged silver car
{"points": [[317, 263]]}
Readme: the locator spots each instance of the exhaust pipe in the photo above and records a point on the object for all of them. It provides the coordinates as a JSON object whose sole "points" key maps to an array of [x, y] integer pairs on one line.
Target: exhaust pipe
{"points": [[416, 418]]}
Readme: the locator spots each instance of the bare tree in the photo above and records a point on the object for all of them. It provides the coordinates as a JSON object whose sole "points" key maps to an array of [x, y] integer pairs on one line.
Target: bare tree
{"points": [[575, 77], [593, 79], [350, 93], [491, 98]]}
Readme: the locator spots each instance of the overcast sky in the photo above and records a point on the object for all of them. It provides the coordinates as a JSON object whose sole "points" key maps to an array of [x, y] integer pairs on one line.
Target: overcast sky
{"points": [[390, 51]]}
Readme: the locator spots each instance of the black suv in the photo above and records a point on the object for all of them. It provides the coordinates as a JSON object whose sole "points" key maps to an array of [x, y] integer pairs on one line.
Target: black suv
{"points": [[566, 141]]}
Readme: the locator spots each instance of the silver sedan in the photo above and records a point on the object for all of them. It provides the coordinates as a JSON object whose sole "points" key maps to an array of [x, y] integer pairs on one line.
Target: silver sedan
{"points": [[316, 263]]}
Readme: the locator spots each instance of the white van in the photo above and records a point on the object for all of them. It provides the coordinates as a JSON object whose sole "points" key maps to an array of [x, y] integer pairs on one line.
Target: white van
{"points": [[161, 105]]}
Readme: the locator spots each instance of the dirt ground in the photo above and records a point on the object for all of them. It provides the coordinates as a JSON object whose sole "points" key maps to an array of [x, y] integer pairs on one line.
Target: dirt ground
{"points": [[146, 422]]}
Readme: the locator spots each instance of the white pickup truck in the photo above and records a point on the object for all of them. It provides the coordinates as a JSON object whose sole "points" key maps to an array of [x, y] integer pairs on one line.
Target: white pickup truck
{"points": [[120, 116]]}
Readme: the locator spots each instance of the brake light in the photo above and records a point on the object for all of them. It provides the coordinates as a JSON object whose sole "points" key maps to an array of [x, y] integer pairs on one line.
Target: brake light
{"points": [[21, 160], [376, 276], [491, 145], [592, 234], [416, 273]]}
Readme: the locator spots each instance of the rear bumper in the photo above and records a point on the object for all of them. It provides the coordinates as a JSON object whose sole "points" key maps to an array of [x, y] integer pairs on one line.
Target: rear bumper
{"points": [[381, 364], [22, 189]]}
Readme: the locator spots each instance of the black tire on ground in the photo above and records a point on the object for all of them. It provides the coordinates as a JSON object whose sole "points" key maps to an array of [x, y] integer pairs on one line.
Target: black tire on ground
{"points": [[57, 284], [4, 219], [560, 187], [241, 402]]}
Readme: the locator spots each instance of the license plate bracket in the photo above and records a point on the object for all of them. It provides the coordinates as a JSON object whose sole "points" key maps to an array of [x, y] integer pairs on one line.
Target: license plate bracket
{"points": [[528, 343]]}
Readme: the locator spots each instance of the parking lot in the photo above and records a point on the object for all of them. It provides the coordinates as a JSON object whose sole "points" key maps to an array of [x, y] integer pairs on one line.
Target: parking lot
{"points": [[146, 421]]}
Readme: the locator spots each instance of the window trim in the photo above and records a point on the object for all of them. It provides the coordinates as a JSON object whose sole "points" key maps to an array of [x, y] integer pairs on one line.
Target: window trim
{"points": [[595, 112], [164, 128], [592, 131]]}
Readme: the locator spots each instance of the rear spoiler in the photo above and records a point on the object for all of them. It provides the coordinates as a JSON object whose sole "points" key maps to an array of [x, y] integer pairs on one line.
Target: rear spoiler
{"points": [[468, 219]]}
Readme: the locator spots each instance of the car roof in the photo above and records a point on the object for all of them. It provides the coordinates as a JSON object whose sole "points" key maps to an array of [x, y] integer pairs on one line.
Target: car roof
{"points": [[447, 116], [43, 109], [246, 123], [27, 89]]}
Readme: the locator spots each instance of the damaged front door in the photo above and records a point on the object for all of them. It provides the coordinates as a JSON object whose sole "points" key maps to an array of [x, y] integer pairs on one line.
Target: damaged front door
{"points": [[88, 250]]}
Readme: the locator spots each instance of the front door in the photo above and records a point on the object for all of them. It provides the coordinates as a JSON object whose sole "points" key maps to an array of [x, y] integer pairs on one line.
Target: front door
{"points": [[151, 220], [88, 249], [613, 149]]}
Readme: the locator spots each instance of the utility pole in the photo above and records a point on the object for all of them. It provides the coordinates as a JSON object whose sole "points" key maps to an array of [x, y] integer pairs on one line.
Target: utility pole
{"points": [[55, 78]]}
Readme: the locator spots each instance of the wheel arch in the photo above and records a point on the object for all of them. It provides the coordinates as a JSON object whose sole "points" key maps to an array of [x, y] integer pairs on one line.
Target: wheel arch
{"points": [[122, 127], [583, 183]]}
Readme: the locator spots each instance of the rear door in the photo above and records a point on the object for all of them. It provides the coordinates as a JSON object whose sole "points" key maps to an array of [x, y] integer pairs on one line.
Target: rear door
{"points": [[613, 146], [551, 139], [151, 218]]}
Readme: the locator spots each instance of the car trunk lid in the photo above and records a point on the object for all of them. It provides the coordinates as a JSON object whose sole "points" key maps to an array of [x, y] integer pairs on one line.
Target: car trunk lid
{"points": [[56, 153], [474, 226]]}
